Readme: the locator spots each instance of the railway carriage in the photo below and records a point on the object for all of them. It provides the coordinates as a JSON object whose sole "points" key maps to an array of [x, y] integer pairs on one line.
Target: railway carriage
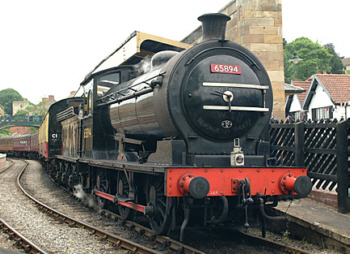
{"points": [[21, 145], [34, 146], [6, 145]]}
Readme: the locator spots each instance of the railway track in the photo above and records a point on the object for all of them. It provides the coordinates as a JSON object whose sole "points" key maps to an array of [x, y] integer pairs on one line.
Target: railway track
{"points": [[175, 245], [44, 231], [21, 241], [169, 243], [120, 242], [165, 244]]}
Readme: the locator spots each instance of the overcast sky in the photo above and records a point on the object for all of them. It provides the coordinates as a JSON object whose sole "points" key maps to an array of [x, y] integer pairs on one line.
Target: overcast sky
{"points": [[47, 47]]}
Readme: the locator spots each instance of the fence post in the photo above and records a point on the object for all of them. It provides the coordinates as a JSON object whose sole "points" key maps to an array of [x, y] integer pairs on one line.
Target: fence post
{"points": [[342, 167], [299, 144]]}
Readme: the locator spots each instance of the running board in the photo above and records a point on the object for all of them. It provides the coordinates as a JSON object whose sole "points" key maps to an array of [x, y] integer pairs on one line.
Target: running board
{"points": [[114, 199]]}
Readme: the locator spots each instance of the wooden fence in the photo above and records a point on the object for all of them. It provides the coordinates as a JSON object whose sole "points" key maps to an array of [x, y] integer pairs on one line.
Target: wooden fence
{"points": [[323, 147]]}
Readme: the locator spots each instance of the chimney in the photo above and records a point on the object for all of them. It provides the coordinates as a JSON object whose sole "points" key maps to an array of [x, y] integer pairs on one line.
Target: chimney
{"points": [[214, 26]]}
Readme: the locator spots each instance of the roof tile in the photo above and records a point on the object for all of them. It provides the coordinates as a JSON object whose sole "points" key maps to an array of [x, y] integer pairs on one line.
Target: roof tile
{"points": [[337, 85], [305, 85]]}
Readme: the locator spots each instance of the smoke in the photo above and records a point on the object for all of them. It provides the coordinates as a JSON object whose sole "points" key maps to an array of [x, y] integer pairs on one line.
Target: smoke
{"points": [[143, 66], [86, 199], [79, 192]]}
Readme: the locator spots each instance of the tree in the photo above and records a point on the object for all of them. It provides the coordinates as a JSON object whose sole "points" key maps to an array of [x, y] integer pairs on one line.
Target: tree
{"points": [[336, 64], [30, 107], [315, 58], [7, 96], [22, 112], [5, 132], [40, 109]]}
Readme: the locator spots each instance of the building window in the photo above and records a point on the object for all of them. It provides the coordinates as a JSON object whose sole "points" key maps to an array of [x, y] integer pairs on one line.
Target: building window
{"points": [[300, 115], [322, 113]]}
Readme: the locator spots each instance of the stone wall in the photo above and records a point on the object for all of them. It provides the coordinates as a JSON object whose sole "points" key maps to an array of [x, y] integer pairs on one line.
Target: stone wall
{"points": [[19, 105], [257, 25]]}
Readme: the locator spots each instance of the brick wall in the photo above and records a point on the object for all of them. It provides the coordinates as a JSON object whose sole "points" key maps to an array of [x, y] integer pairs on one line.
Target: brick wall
{"points": [[326, 197], [257, 25]]}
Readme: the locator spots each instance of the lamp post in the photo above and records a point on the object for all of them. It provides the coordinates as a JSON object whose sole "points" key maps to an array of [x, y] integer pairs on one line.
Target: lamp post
{"points": [[295, 59]]}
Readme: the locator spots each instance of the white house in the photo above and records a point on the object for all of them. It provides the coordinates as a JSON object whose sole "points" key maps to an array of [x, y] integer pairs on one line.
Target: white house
{"points": [[328, 97], [295, 100]]}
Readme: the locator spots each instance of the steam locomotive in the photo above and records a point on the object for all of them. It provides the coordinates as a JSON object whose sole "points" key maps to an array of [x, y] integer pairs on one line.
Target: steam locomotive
{"points": [[185, 143]]}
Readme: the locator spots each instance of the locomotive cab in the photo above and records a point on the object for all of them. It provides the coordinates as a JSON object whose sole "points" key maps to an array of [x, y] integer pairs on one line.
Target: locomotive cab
{"points": [[98, 136]]}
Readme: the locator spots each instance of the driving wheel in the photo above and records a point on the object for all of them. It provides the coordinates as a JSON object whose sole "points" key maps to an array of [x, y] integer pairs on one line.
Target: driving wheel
{"points": [[102, 185], [123, 194], [160, 218]]}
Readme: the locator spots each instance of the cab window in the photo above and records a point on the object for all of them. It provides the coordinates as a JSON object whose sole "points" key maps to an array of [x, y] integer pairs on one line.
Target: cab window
{"points": [[106, 82]]}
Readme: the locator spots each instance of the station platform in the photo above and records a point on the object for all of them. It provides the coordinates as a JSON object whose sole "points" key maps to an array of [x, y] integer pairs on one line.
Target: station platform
{"points": [[317, 223]]}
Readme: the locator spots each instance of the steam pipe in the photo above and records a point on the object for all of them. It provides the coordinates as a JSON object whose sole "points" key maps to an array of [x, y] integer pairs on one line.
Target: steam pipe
{"points": [[223, 214], [267, 217]]}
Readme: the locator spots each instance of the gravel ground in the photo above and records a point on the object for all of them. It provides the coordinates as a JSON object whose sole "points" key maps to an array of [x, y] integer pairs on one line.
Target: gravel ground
{"points": [[51, 235]]}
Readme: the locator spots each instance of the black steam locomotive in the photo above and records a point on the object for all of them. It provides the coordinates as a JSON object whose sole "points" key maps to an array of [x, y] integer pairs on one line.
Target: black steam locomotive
{"points": [[186, 142]]}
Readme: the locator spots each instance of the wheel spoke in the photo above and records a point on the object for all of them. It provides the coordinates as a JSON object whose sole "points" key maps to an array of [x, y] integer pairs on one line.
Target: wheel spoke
{"points": [[102, 185], [160, 210], [161, 201], [125, 212]]}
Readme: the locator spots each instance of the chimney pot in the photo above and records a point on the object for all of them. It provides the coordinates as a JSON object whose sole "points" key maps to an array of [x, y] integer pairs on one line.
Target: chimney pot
{"points": [[214, 26]]}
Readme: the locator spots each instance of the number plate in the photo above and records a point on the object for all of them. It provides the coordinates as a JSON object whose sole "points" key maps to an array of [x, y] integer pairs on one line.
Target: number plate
{"points": [[225, 68]]}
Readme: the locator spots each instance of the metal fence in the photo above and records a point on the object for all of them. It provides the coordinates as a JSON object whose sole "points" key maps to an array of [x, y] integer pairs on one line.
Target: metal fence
{"points": [[11, 121], [321, 146]]}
